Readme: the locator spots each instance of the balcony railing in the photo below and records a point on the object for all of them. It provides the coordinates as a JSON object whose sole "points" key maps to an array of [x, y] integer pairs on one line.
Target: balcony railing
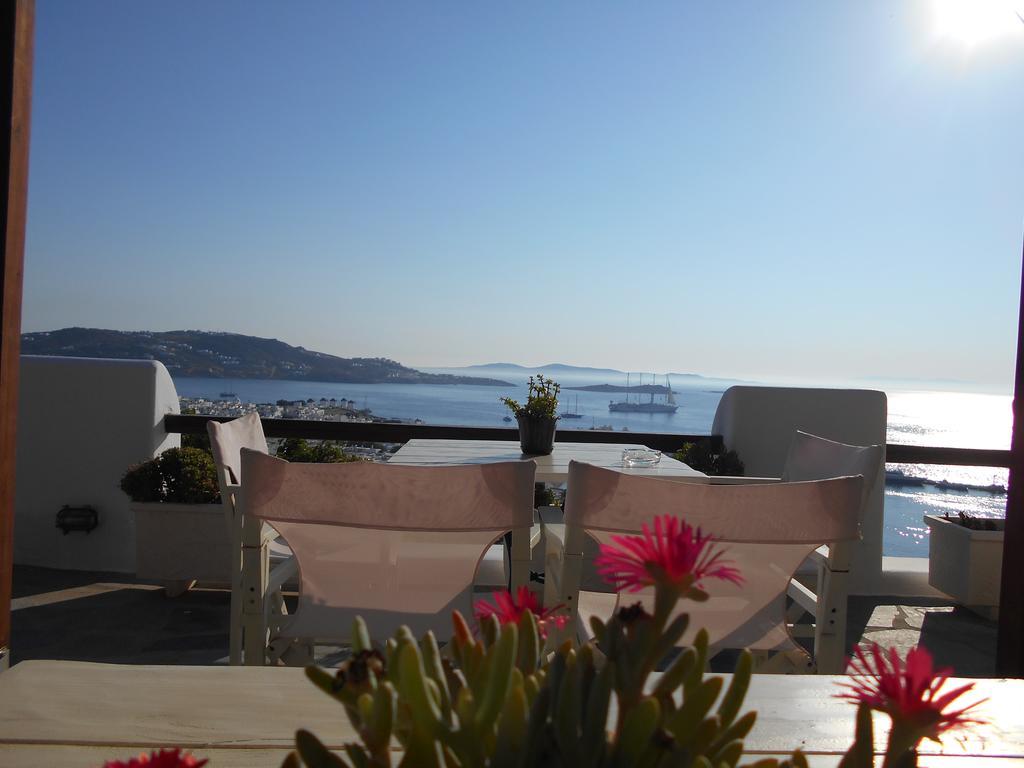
{"points": [[375, 432]]}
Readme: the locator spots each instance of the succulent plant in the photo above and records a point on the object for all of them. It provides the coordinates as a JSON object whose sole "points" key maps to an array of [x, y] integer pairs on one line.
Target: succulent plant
{"points": [[541, 400], [503, 698]]}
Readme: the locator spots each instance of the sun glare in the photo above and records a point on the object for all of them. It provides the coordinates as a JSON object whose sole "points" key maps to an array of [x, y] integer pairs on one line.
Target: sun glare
{"points": [[975, 22]]}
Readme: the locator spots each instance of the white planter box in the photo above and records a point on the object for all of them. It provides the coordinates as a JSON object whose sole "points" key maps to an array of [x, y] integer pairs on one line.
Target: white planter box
{"points": [[181, 543], [965, 564]]}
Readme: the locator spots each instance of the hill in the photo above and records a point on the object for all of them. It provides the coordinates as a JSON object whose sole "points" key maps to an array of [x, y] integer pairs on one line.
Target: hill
{"points": [[232, 355]]}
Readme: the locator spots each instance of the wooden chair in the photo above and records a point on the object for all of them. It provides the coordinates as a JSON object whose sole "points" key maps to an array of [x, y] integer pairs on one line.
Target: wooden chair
{"points": [[767, 529], [395, 544], [226, 442]]}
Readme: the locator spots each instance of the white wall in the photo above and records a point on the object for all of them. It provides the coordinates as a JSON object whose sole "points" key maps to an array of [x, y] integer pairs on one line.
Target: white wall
{"points": [[81, 423], [759, 423]]}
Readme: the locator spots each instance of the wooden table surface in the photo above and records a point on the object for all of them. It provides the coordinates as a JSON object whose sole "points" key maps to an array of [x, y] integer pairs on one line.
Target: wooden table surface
{"points": [[63, 714], [553, 468]]}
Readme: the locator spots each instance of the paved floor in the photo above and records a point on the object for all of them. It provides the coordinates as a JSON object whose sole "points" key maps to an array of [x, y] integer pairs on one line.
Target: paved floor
{"points": [[90, 616]]}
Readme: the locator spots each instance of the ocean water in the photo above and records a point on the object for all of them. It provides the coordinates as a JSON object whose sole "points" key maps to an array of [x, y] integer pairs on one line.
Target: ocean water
{"points": [[951, 419]]}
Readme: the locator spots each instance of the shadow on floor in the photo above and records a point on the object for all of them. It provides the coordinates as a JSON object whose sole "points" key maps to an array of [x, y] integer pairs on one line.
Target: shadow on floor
{"points": [[113, 618], [956, 637], [108, 617]]}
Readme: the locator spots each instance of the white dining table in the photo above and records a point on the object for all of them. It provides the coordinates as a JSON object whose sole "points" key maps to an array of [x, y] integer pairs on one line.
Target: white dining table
{"points": [[553, 468], [65, 714]]}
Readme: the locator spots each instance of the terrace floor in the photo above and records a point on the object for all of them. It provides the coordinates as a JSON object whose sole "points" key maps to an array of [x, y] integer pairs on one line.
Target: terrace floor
{"points": [[104, 617]]}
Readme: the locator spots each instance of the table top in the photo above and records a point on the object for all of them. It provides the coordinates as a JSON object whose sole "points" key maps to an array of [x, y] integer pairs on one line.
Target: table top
{"points": [[64, 713], [553, 468]]}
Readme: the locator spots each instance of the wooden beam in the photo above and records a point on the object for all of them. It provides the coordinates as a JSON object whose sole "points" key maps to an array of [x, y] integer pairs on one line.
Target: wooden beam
{"points": [[1010, 643], [17, 21]]}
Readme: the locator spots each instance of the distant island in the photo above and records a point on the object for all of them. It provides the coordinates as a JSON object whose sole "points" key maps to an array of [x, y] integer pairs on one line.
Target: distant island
{"points": [[216, 355]]}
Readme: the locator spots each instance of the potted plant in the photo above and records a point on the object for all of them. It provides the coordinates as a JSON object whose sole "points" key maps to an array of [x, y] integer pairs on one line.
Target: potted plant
{"points": [[538, 417], [180, 531], [965, 555]]}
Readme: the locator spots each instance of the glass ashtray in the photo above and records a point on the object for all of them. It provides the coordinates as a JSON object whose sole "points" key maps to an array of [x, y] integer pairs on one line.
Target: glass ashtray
{"points": [[640, 457]]}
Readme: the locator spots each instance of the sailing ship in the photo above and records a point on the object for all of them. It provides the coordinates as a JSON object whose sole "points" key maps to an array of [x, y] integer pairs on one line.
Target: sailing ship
{"points": [[669, 406], [574, 413]]}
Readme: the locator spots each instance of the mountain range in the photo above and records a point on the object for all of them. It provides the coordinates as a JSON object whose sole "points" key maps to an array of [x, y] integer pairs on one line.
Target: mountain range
{"points": [[232, 355], [563, 368]]}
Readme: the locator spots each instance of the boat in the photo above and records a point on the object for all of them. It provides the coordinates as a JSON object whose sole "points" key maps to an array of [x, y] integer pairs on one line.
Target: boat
{"points": [[574, 414], [506, 418], [899, 478], [228, 394], [669, 406], [946, 485]]}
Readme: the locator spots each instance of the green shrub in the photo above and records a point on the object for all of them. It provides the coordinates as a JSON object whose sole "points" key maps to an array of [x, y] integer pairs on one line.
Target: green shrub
{"points": [[297, 449], [703, 458], [178, 476]]}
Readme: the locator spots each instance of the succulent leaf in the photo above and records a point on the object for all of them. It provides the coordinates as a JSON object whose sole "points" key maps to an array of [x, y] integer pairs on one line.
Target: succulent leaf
{"points": [[734, 695], [360, 636], [637, 729], [412, 686], [314, 754], [860, 754], [500, 662], [435, 671]]}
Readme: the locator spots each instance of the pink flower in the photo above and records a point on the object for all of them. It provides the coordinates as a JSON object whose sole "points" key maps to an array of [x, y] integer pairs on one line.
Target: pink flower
{"points": [[165, 758], [675, 554], [509, 609], [908, 693]]}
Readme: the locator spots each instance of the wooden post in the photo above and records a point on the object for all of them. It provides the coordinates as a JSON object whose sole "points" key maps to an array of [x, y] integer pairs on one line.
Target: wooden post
{"points": [[17, 19], [1010, 647]]}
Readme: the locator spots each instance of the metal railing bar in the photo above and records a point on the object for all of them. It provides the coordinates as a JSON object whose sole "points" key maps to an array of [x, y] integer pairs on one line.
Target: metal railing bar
{"points": [[377, 432]]}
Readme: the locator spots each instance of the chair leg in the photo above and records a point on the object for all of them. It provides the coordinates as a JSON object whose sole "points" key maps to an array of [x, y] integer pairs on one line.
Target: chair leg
{"points": [[830, 622], [255, 567], [235, 616]]}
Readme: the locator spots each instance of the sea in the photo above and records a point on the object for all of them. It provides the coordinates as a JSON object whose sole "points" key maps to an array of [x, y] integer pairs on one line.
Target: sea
{"points": [[916, 417]]}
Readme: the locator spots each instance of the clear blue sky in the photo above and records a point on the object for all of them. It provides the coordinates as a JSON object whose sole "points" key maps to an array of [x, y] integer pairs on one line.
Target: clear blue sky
{"points": [[799, 189]]}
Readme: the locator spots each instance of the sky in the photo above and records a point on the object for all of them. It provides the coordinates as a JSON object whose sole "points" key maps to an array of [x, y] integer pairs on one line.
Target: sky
{"points": [[797, 190]]}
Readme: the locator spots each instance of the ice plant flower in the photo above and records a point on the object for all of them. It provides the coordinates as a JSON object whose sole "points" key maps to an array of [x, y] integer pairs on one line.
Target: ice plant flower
{"points": [[674, 554], [165, 758], [509, 609], [910, 693]]}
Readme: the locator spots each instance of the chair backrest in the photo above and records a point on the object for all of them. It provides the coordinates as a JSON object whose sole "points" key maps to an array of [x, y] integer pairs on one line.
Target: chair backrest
{"points": [[395, 544], [767, 530], [227, 441], [759, 422], [816, 458]]}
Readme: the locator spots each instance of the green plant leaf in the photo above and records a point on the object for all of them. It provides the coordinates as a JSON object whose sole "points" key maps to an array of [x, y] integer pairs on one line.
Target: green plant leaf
{"points": [[729, 755], [499, 664], [529, 643], [685, 721], [678, 671], [737, 731], [705, 735], [737, 691], [360, 636], [357, 756], [671, 636], [435, 671], [861, 752], [568, 711], [594, 740], [636, 732], [412, 687], [314, 754]]}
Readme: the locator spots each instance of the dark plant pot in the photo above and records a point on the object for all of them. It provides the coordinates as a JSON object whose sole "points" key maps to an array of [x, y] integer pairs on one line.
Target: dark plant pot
{"points": [[536, 436]]}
